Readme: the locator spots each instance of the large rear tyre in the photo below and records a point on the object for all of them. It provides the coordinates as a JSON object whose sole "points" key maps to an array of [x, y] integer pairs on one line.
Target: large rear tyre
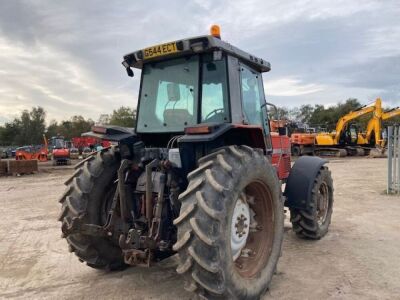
{"points": [[314, 224], [88, 196], [230, 227]]}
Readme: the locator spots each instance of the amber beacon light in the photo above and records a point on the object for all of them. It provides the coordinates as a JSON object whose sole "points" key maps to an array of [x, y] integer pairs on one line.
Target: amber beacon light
{"points": [[215, 31]]}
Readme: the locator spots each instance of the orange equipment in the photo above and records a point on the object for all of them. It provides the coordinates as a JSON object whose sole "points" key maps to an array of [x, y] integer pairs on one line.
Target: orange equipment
{"points": [[60, 152], [32, 152], [276, 124], [302, 143]]}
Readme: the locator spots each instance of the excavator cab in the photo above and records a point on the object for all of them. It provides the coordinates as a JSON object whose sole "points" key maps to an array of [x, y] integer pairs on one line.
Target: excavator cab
{"points": [[350, 135]]}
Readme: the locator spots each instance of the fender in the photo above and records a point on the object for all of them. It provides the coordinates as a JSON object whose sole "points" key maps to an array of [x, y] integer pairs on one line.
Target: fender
{"points": [[212, 131], [202, 139], [232, 134], [301, 180], [111, 133]]}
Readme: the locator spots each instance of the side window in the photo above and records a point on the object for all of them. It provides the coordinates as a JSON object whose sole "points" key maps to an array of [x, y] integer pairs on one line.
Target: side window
{"points": [[251, 96], [214, 100]]}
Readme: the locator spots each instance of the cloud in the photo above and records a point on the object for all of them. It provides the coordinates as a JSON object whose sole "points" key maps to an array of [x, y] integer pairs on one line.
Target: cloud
{"points": [[51, 79], [291, 87], [66, 55]]}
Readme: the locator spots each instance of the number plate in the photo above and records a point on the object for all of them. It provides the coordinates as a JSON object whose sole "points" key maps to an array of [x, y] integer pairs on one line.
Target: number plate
{"points": [[159, 50]]}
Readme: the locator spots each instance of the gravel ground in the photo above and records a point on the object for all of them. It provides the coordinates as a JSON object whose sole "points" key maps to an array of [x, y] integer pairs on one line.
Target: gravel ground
{"points": [[358, 259]]}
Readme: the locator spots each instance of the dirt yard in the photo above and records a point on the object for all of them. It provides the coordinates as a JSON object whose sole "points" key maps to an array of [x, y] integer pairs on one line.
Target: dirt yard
{"points": [[358, 259]]}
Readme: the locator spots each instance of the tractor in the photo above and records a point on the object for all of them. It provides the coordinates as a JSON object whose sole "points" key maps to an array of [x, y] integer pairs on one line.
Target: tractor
{"points": [[201, 176]]}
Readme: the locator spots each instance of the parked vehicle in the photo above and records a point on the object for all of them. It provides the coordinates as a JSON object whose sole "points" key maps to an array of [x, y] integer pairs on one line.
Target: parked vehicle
{"points": [[201, 175], [86, 152], [74, 153], [60, 151]]}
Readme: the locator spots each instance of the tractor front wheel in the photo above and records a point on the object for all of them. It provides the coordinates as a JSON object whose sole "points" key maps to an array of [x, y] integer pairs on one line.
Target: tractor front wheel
{"points": [[230, 227], [314, 224]]}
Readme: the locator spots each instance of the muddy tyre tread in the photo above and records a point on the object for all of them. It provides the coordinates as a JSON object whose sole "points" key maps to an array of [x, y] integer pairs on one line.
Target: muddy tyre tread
{"points": [[305, 223], [77, 202], [200, 236]]}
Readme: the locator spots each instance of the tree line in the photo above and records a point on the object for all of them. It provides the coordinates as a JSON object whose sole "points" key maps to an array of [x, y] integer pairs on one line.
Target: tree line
{"points": [[30, 126], [321, 117]]}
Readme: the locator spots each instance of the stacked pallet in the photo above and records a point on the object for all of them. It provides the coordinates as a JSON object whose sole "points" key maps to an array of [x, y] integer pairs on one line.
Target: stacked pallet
{"points": [[14, 167], [3, 167]]}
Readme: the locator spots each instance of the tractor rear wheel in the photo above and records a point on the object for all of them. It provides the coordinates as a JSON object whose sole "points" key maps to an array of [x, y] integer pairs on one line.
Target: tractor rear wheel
{"points": [[88, 197], [314, 224], [230, 227]]}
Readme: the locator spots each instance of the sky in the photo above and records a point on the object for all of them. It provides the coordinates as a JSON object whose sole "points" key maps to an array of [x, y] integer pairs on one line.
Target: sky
{"points": [[66, 55]]}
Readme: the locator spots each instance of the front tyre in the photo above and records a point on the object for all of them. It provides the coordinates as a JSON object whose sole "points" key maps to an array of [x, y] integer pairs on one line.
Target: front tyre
{"points": [[230, 227], [314, 224]]}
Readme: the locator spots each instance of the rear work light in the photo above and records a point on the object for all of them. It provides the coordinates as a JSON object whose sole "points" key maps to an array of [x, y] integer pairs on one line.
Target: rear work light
{"points": [[198, 130]]}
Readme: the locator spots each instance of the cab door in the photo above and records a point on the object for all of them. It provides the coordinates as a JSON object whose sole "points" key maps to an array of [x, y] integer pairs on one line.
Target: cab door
{"points": [[253, 102]]}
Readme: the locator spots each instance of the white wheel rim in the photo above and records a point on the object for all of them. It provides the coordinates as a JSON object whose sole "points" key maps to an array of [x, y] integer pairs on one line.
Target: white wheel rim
{"points": [[240, 227]]}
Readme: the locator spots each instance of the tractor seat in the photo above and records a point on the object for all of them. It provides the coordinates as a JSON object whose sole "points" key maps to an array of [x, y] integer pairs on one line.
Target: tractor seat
{"points": [[177, 117]]}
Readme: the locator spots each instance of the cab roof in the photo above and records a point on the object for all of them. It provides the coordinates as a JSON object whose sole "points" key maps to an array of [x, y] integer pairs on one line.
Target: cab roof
{"points": [[200, 44]]}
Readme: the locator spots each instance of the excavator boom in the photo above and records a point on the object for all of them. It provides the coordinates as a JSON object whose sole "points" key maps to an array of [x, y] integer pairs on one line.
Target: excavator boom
{"points": [[374, 126], [391, 114]]}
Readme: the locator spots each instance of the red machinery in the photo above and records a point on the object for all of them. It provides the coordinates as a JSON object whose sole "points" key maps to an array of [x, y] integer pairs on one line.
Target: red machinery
{"points": [[281, 154], [60, 151], [203, 181], [85, 141]]}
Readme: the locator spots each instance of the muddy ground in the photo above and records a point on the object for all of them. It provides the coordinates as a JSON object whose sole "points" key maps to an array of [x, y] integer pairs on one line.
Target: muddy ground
{"points": [[358, 259]]}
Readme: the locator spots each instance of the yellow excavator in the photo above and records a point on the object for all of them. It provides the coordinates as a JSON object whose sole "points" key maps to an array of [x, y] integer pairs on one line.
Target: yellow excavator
{"points": [[345, 139], [373, 135]]}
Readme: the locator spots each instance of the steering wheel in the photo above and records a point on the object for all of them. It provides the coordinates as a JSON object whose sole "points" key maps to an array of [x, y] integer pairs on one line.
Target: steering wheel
{"points": [[214, 112]]}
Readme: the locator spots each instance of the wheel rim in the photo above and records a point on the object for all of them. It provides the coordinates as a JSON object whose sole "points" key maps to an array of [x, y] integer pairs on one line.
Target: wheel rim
{"points": [[240, 226], [253, 220], [322, 203]]}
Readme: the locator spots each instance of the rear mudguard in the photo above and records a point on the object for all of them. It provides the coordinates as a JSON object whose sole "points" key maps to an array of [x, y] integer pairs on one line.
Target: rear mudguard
{"points": [[298, 190], [111, 133]]}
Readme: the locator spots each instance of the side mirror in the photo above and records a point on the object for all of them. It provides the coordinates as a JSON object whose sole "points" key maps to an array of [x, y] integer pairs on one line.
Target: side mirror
{"points": [[129, 71], [173, 91], [127, 68]]}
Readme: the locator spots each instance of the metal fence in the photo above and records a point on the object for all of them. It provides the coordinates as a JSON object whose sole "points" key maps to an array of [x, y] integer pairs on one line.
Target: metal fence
{"points": [[393, 143]]}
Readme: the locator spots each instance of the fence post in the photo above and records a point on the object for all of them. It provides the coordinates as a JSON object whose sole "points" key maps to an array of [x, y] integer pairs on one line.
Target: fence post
{"points": [[390, 154], [398, 161], [394, 166]]}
